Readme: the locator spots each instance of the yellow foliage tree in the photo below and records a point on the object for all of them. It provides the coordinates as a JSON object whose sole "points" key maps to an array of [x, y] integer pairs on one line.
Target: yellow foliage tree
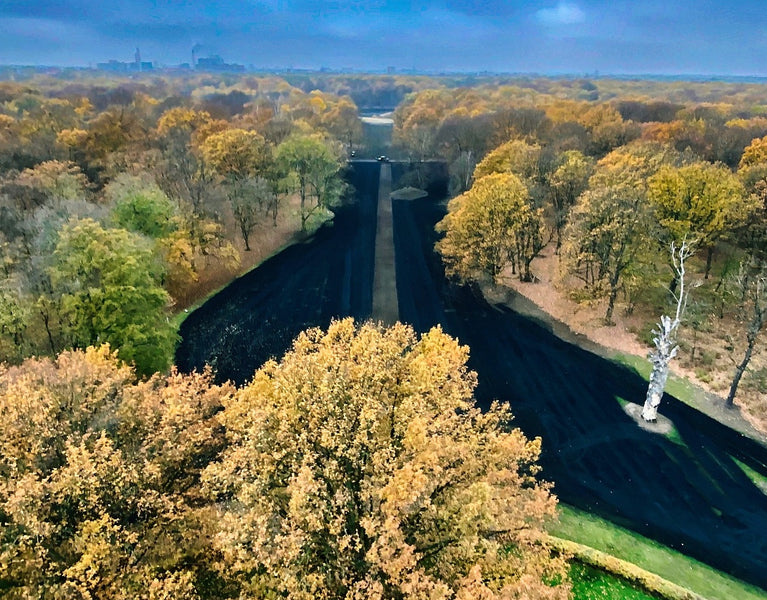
{"points": [[515, 156], [490, 227], [700, 201], [359, 467], [99, 479], [754, 154]]}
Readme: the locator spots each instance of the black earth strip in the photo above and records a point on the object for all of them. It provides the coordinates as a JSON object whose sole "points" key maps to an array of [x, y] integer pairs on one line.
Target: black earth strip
{"points": [[692, 497], [257, 316]]}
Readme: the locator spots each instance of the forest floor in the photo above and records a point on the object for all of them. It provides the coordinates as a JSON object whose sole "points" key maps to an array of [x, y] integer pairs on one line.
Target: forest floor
{"points": [[267, 239], [709, 367]]}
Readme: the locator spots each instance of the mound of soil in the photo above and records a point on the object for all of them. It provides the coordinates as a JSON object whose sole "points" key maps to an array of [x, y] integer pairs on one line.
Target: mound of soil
{"points": [[408, 193]]}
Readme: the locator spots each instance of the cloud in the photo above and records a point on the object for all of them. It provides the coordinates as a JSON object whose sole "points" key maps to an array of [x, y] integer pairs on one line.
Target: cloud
{"points": [[564, 13]]}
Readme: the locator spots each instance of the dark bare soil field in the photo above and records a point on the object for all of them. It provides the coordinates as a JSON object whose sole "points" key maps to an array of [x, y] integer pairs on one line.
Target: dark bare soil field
{"points": [[690, 495], [258, 315]]}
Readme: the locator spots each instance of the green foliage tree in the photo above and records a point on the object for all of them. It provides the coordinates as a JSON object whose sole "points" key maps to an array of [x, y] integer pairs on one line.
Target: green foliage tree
{"points": [[568, 181], [610, 234], [139, 205], [315, 164], [359, 467], [490, 227], [108, 281], [14, 320], [257, 197]]}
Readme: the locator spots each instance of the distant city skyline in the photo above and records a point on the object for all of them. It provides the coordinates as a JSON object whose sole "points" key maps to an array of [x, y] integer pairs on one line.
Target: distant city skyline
{"points": [[563, 36]]}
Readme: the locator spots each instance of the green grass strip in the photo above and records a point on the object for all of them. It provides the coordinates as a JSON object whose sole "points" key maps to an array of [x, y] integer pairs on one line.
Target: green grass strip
{"points": [[757, 478], [688, 574], [625, 570], [679, 387], [591, 583]]}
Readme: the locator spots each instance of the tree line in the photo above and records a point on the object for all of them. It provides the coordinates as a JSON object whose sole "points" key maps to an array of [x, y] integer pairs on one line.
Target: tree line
{"points": [[116, 205], [608, 195]]}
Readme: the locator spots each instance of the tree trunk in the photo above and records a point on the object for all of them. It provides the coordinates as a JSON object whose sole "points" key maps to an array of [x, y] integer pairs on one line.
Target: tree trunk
{"points": [[46, 323], [304, 216], [674, 283], [754, 327], [665, 339], [665, 351], [739, 370], [611, 306], [613, 295], [709, 259], [528, 274]]}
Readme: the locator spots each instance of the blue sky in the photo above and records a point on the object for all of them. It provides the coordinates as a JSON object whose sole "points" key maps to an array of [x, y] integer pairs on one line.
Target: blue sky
{"points": [[559, 36]]}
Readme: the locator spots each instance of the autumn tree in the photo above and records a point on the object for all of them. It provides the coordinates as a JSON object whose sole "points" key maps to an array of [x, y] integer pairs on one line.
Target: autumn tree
{"points": [[236, 153], [700, 200], [609, 234], [515, 156], [108, 281], [99, 480], [314, 164], [54, 181], [112, 136], [359, 467], [754, 154], [416, 121], [183, 173], [490, 227], [342, 120], [568, 180], [463, 138], [244, 160]]}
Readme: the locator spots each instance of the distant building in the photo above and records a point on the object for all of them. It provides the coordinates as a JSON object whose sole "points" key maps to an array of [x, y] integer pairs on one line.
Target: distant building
{"points": [[216, 63], [116, 66]]}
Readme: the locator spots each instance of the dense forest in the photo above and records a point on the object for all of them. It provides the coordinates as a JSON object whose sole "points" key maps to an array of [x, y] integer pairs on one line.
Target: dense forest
{"points": [[122, 204], [125, 201], [608, 188]]}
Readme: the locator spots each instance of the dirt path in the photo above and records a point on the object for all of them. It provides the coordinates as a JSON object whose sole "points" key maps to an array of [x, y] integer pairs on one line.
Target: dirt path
{"points": [[384, 280]]}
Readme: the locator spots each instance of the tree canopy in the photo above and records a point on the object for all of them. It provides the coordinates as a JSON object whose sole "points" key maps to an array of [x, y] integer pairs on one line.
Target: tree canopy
{"points": [[490, 227], [359, 467], [109, 284], [99, 479]]}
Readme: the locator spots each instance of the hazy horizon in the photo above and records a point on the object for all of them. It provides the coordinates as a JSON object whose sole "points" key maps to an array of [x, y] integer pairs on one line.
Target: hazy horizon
{"points": [[550, 38]]}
